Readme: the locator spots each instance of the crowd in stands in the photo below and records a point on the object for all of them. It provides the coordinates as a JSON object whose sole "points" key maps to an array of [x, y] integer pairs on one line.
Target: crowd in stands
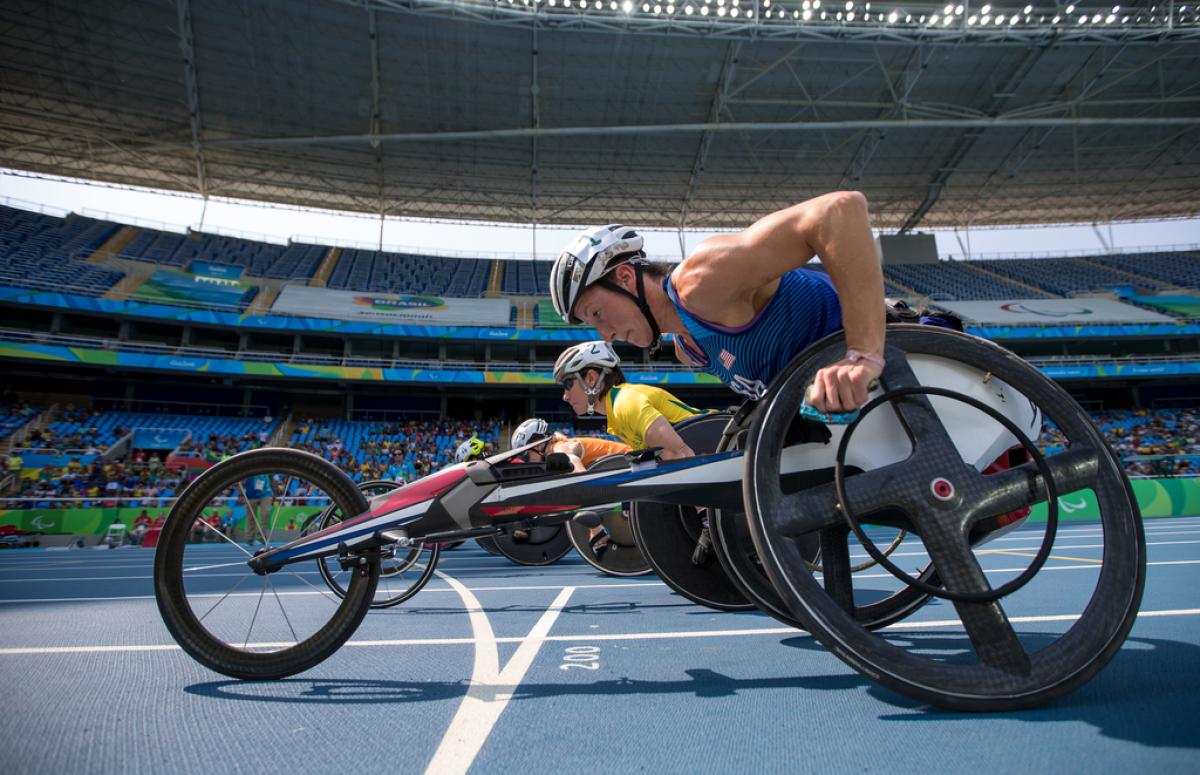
{"points": [[1164, 442], [78, 485], [1158, 443], [399, 451]]}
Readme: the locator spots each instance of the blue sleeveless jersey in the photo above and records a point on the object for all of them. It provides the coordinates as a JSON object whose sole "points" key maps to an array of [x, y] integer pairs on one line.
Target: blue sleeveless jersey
{"points": [[804, 309]]}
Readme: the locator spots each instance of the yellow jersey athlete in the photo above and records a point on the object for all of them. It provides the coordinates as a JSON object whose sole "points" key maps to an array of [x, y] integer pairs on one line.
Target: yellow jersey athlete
{"points": [[640, 415]]}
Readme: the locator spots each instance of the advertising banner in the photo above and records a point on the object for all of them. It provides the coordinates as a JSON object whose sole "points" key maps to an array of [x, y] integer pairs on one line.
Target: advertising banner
{"points": [[1179, 497], [451, 375], [193, 289], [226, 271], [396, 307], [158, 438], [503, 333], [1185, 306], [1051, 312], [1156, 498]]}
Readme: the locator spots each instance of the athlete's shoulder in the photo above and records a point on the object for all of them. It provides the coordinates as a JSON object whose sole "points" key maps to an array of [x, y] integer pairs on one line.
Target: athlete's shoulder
{"points": [[631, 394]]}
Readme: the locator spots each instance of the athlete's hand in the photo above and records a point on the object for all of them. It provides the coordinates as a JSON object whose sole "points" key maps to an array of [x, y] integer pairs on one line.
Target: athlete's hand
{"points": [[843, 386]]}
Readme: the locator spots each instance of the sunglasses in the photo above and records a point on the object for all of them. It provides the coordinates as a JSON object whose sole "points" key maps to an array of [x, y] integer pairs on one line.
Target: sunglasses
{"points": [[568, 383]]}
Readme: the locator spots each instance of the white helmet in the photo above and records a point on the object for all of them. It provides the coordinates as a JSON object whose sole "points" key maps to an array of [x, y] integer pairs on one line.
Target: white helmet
{"points": [[531, 430], [594, 355], [469, 450], [587, 355], [591, 255]]}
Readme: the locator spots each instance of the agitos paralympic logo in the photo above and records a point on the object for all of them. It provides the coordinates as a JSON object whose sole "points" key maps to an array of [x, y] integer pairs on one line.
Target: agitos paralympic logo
{"points": [[384, 303], [1019, 308]]}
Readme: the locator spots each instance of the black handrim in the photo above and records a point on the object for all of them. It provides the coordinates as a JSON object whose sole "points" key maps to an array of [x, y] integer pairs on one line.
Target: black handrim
{"points": [[735, 550], [1004, 676]]}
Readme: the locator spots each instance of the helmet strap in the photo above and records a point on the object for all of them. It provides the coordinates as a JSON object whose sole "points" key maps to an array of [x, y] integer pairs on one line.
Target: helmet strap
{"points": [[594, 390], [640, 299]]}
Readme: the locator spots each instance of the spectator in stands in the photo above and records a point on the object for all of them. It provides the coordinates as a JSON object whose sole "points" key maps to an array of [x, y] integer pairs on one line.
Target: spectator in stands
{"points": [[13, 465]]}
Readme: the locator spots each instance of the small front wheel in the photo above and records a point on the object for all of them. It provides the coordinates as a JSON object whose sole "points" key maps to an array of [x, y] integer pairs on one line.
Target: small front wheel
{"points": [[403, 572]]}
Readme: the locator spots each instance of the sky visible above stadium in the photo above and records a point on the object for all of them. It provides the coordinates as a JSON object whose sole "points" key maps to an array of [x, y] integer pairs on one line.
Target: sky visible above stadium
{"points": [[176, 212]]}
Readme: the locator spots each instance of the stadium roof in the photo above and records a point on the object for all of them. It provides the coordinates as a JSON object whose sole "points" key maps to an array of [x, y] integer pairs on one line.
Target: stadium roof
{"points": [[647, 113]]}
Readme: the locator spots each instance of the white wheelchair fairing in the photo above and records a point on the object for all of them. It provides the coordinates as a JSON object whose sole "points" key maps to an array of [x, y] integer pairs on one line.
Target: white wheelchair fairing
{"points": [[881, 440]]}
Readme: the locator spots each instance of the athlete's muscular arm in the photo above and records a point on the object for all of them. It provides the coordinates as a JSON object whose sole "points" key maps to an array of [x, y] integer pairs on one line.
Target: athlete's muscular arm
{"points": [[731, 276], [661, 434]]}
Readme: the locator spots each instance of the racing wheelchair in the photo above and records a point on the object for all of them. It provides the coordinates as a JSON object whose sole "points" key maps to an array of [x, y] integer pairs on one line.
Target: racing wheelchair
{"points": [[786, 503]]}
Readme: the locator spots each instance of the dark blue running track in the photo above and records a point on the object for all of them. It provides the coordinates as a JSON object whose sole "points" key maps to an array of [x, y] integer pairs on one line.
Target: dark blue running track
{"points": [[499, 668]]}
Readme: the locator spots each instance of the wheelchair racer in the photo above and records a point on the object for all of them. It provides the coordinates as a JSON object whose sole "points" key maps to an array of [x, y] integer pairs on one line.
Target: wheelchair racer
{"points": [[642, 416], [471, 449], [742, 305]]}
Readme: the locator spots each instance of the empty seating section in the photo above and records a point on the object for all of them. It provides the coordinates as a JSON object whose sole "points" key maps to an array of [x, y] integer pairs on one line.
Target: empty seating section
{"points": [[975, 280], [370, 270], [526, 278], [1063, 276], [155, 247], [297, 262], [47, 253], [953, 280], [258, 259], [41, 251], [14, 416], [83, 428], [1178, 269]]}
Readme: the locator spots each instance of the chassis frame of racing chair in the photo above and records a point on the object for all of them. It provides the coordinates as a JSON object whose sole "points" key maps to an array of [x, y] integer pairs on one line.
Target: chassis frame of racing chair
{"points": [[918, 460]]}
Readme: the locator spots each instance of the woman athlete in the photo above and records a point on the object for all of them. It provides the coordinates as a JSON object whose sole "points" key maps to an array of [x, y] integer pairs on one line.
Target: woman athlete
{"points": [[640, 415]]}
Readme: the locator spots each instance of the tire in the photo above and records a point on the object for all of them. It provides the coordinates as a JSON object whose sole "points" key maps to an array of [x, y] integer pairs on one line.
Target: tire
{"points": [[667, 535], [388, 592], [171, 577], [996, 669]]}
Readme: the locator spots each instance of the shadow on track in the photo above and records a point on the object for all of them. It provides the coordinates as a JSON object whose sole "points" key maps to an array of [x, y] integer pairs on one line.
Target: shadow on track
{"points": [[1149, 694], [699, 683]]}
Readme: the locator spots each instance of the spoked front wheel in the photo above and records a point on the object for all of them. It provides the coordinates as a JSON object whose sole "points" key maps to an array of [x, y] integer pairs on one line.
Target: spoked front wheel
{"points": [[223, 614], [403, 572]]}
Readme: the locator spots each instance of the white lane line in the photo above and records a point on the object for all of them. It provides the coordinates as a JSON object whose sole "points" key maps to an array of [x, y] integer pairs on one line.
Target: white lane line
{"points": [[534, 587], [491, 688], [550, 586], [565, 571], [303, 593], [1021, 535], [536, 641]]}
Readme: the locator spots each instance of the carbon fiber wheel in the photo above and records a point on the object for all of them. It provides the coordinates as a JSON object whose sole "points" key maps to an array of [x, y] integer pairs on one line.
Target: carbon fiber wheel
{"points": [[992, 658], [224, 615], [735, 549], [613, 551], [402, 572], [675, 539]]}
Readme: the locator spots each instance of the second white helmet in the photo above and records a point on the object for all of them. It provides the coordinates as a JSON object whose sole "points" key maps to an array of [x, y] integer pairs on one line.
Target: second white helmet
{"points": [[531, 430], [596, 355]]}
